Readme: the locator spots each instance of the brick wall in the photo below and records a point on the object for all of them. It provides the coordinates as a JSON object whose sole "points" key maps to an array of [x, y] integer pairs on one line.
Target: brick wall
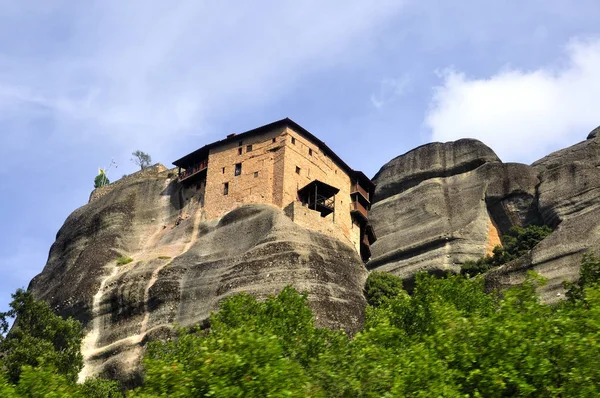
{"points": [[317, 166], [247, 187], [269, 176]]}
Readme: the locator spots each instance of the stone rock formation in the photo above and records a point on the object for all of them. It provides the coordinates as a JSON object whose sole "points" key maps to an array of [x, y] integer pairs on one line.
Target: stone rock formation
{"points": [[182, 267], [440, 205], [569, 199]]}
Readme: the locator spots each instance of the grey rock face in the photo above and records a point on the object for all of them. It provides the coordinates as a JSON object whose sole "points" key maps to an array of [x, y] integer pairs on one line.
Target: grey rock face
{"points": [[593, 133], [443, 204], [182, 267], [569, 199]]}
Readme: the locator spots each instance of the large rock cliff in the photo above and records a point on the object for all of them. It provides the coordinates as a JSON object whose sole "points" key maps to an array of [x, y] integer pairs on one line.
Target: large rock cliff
{"points": [[182, 267], [442, 204], [435, 207]]}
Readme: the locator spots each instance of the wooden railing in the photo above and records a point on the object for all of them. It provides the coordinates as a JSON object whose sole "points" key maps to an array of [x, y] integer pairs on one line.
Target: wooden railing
{"points": [[356, 206], [195, 169], [361, 190]]}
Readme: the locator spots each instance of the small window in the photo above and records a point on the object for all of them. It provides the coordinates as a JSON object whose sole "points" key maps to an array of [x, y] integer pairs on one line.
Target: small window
{"points": [[241, 143], [309, 152], [297, 170], [239, 151], [226, 188], [249, 148], [274, 140], [223, 170], [293, 141], [255, 174], [238, 169]]}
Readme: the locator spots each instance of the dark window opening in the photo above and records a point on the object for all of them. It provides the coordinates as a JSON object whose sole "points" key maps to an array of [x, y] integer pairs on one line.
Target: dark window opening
{"points": [[309, 152], [297, 170], [249, 148], [226, 188], [241, 143], [238, 169], [274, 140], [223, 170], [239, 151], [293, 141], [255, 174]]}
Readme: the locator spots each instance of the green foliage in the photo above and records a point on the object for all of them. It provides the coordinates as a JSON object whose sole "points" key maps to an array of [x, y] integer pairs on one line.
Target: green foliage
{"points": [[518, 242], [124, 260], [141, 159], [100, 388], [449, 338], [101, 180], [164, 257], [40, 338], [589, 276], [382, 286]]}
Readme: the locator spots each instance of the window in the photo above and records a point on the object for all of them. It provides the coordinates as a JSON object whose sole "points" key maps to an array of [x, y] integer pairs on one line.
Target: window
{"points": [[223, 170], [274, 140], [293, 141], [309, 152], [297, 170], [239, 151], [249, 148], [226, 188], [238, 169], [255, 174], [241, 143]]}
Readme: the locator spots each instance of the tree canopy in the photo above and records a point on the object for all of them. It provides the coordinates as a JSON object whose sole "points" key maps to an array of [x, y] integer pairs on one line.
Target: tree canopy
{"points": [[141, 159]]}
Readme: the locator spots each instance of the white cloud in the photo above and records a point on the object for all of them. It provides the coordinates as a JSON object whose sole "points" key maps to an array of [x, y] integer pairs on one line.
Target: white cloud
{"points": [[521, 114]]}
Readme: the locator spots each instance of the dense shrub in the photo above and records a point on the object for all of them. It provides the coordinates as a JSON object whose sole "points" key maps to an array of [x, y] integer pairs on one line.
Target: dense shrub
{"points": [[449, 338], [516, 243]]}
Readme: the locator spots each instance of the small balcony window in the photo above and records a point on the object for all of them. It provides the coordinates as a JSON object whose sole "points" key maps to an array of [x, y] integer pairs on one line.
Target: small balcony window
{"points": [[239, 151], [309, 152], [297, 170], [274, 140], [226, 189], [249, 148], [238, 169]]}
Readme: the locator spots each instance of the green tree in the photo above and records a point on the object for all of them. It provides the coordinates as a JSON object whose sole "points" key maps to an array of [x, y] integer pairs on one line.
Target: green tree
{"points": [[40, 338], [141, 159], [101, 180], [516, 243]]}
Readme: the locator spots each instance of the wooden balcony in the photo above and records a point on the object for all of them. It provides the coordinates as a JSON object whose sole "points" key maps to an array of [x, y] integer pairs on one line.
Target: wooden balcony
{"points": [[356, 188], [359, 209], [192, 171]]}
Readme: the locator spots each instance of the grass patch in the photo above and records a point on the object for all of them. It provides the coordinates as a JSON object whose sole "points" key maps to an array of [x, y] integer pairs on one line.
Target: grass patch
{"points": [[164, 257], [124, 260]]}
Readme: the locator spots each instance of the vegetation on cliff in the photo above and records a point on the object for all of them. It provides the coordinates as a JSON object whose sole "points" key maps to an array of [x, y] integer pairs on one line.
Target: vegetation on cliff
{"points": [[449, 338], [516, 243]]}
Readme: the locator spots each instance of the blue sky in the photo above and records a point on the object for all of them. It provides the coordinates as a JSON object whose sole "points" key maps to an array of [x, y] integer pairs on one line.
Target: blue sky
{"points": [[82, 83]]}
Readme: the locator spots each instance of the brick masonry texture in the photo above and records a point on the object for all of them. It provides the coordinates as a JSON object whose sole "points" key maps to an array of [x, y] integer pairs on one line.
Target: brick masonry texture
{"points": [[278, 164]]}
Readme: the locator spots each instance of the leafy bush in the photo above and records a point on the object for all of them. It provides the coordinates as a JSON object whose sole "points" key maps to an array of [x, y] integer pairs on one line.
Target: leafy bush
{"points": [[101, 180], [124, 260], [589, 276], [40, 338], [382, 286], [518, 242]]}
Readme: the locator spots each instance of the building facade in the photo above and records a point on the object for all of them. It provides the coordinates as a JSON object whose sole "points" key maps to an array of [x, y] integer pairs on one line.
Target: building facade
{"points": [[284, 165]]}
